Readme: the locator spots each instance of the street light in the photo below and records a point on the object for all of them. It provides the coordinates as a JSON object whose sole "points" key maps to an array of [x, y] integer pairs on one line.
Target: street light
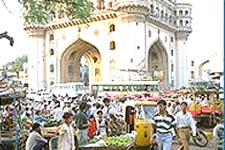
{"points": [[5, 35]]}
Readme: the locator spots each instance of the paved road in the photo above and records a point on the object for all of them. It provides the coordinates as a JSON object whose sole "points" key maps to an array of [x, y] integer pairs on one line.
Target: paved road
{"points": [[210, 146]]}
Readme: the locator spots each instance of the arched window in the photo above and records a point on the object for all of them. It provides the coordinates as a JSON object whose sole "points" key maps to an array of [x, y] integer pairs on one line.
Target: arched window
{"points": [[181, 23], [112, 45], [192, 63], [186, 23], [51, 68], [100, 4], [95, 59], [51, 38], [51, 83], [180, 13], [112, 28], [162, 14], [175, 13], [192, 75], [157, 11], [166, 17], [186, 13], [52, 15], [170, 19], [131, 60], [171, 52], [172, 67], [175, 23], [171, 39], [152, 9], [51, 52], [149, 33]]}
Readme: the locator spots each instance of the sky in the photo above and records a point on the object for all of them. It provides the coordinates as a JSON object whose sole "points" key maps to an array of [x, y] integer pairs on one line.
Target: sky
{"points": [[206, 40]]}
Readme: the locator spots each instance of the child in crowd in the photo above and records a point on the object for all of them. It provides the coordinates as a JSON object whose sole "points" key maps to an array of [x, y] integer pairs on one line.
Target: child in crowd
{"points": [[102, 125], [92, 128]]}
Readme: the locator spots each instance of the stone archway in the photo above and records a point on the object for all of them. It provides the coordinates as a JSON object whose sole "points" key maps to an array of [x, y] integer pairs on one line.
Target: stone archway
{"points": [[158, 63], [71, 58]]}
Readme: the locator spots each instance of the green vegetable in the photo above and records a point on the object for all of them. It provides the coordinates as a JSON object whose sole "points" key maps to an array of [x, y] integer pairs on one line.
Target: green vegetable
{"points": [[118, 141]]}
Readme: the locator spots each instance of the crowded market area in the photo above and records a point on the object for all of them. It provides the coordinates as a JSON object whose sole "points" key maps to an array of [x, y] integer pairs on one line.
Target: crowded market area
{"points": [[113, 121]]}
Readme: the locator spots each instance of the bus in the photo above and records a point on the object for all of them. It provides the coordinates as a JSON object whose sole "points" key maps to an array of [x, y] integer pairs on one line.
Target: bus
{"points": [[71, 89], [125, 88]]}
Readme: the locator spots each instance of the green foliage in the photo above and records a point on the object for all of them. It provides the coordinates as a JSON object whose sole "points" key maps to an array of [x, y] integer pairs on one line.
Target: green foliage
{"points": [[17, 64], [40, 11]]}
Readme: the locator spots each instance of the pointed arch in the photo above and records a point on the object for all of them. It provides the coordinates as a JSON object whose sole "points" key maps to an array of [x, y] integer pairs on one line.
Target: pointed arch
{"points": [[71, 57], [158, 63]]}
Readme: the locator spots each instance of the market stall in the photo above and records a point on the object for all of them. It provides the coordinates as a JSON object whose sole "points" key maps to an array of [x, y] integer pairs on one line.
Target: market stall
{"points": [[123, 142]]}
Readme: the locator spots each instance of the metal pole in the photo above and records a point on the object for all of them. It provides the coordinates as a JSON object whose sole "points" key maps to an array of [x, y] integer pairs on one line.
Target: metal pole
{"points": [[16, 122]]}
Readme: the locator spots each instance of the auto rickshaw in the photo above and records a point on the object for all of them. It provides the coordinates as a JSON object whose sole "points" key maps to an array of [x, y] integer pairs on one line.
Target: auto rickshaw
{"points": [[138, 115]]}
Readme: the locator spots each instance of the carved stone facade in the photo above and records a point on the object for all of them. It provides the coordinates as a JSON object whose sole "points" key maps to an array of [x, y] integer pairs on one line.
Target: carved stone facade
{"points": [[121, 35]]}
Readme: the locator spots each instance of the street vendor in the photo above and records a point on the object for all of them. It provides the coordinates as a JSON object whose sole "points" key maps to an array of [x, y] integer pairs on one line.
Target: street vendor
{"points": [[35, 140], [116, 123], [109, 109], [102, 124], [38, 118]]}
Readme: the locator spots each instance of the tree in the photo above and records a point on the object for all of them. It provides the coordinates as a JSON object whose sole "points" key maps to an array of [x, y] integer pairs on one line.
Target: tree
{"points": [[40, 11], [17, 64]]}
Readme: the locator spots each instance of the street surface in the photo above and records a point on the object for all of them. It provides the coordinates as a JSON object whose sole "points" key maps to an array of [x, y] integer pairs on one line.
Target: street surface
{"points": [[210, 146]]}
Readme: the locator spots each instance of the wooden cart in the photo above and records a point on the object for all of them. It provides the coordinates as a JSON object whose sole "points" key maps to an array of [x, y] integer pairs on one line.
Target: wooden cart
{"points": [[128, 147]]}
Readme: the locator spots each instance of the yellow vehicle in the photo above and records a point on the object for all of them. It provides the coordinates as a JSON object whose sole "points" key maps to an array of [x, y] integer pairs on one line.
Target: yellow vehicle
{"points": [[138, 115]]}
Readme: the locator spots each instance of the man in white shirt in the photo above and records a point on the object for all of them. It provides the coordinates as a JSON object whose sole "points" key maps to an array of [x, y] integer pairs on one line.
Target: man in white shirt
{"points": [[58, 113], [66, 133], [116, 124], [184, 121], [204, 102], [171, 108], [189, 100], [35, 140]]}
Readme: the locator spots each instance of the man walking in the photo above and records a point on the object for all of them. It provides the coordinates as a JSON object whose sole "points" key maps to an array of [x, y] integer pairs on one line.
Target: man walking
{"points": [[184, 121], [82, 125], [66, 134], [162, 124]]}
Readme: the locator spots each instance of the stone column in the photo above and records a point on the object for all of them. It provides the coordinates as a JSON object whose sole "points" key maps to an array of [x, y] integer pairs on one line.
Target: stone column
{"points": [[37, 59], [181, 60]]}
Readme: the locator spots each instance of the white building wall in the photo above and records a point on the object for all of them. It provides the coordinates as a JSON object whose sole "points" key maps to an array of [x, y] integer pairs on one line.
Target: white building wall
{"points": [[36, 59], [129, 35]]}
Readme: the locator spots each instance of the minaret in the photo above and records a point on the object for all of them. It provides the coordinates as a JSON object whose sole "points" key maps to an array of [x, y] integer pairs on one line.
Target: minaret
{"points": [[183, 29]]}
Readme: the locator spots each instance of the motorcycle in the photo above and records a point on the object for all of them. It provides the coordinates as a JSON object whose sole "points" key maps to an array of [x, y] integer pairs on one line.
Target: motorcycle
{"points": [[200, 139]]}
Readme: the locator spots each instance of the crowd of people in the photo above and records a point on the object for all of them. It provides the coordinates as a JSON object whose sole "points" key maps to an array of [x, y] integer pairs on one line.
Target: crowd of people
{"points": [[102, 116]]}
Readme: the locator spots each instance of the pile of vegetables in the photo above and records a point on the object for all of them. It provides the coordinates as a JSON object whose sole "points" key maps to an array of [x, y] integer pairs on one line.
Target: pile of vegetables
{"points": [[115, 141]]}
